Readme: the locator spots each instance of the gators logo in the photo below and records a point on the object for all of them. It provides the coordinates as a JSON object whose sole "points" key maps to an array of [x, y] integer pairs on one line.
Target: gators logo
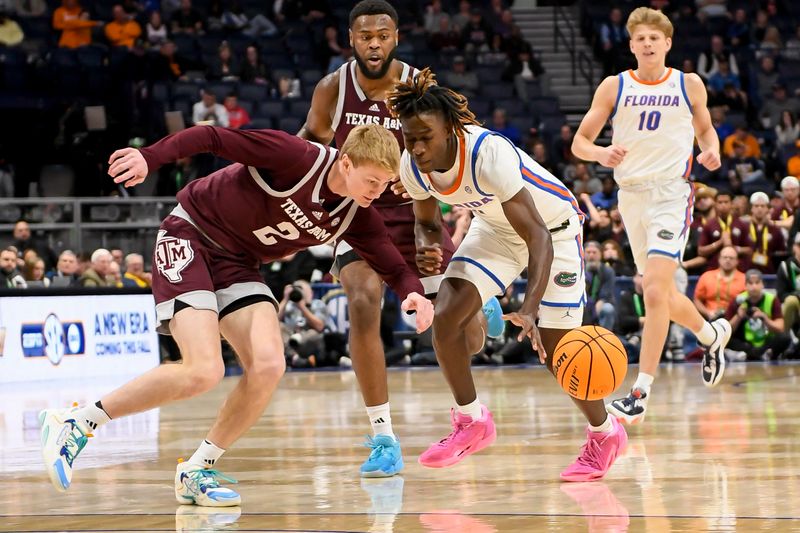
{"points": [[565, 279], [665, 234]]}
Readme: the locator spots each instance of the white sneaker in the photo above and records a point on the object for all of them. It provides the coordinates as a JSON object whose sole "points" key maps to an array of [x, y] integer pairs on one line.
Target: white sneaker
{"points": [[631, 409], [195, 485], [713, 365], [62, 440]]}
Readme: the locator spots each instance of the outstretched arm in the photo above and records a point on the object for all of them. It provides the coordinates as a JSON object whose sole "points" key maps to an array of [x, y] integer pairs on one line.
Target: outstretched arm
{"points": [[583, 145], [259, 148], [523, 216]]}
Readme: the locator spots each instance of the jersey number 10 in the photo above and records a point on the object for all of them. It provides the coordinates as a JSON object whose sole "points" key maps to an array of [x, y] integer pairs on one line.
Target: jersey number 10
{"points": [[650, 120]]}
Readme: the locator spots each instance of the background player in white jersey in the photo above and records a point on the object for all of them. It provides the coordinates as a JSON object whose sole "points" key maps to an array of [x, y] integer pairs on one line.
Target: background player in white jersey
{"points": [[524, 218], [656, 112]]}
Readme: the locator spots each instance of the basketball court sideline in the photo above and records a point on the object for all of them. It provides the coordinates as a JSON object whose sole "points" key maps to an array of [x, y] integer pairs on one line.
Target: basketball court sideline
{"points": [[706, 459]]}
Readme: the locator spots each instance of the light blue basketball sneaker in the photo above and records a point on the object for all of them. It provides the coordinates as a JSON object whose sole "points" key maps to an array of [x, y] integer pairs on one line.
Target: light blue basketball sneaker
{"points": [[62, 440], [200, 486], [385, 459], [494, 318]]}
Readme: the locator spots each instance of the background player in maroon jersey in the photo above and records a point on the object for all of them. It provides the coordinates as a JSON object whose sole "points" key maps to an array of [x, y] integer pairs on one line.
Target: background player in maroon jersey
{"points": [[282, 195], [355, 94]]}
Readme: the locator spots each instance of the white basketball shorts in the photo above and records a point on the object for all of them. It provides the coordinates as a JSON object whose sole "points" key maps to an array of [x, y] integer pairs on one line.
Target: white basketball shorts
{"points": [[491, 263], [657, 219]]}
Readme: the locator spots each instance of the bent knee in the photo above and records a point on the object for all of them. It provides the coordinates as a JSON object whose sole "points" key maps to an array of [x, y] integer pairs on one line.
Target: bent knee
{"points": [[267, 371], [449, 321], [365, 300], [266, 363], [204, 376], [655, 295]]}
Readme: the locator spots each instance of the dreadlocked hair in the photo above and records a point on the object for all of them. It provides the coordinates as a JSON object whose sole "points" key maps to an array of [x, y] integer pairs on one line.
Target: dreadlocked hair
{"points": [[421, 94]]}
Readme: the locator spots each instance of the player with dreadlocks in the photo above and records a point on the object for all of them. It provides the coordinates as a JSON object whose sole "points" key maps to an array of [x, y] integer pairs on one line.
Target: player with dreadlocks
{"points": [[524, 218], [355, 94]]}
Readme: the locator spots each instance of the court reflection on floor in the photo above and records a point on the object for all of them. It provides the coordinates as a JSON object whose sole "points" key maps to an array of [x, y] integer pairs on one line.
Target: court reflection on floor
{"points": [[705, 459]]}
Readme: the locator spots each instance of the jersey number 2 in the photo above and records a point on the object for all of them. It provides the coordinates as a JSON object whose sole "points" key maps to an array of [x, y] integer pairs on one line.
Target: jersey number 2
{"points": [[650, 120], [285, 230]]}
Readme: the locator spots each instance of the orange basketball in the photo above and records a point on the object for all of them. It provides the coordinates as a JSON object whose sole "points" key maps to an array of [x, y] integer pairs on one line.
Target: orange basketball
{"points": [[590, 363]]}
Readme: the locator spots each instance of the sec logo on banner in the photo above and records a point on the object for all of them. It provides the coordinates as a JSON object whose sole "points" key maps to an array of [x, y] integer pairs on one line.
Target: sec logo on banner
{"points": [[52, 339]]}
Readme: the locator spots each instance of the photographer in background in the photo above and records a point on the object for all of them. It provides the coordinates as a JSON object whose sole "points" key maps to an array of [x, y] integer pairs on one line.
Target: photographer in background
{"points": [[757, 323], [303, 321]]}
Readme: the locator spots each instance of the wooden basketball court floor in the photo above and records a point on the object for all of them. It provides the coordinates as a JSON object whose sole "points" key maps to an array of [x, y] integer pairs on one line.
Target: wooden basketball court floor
{"points": [[723, 459]]}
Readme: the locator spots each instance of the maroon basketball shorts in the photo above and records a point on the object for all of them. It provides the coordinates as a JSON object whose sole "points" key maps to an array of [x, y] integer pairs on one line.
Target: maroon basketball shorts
{"points": [[191, 271], [399, 221]]}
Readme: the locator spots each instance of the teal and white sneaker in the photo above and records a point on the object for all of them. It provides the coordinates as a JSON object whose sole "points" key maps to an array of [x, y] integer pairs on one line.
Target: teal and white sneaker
{"points": [[62, 441], [494, 318], [195, 485], [385, 459]]}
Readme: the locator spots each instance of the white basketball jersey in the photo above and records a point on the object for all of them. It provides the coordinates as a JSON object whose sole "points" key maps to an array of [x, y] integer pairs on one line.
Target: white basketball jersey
{"points": [[488, 171], [653, 120]]}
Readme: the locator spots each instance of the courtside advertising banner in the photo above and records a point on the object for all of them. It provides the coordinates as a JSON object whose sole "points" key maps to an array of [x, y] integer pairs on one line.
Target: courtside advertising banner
{"points": [[59, 337]]}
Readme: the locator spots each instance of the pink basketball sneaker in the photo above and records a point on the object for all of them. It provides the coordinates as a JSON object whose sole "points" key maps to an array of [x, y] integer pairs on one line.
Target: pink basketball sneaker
{"points": [[468, 436], [598, 454]]}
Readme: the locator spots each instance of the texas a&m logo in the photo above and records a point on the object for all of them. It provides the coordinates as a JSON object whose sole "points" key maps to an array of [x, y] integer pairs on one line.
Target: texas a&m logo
{"points": [[172, 255]]}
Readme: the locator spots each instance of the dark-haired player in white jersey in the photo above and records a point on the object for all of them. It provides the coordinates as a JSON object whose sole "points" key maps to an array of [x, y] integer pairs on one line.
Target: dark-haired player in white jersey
{"points": [[525, 218], [656, 113], [355, 94]]}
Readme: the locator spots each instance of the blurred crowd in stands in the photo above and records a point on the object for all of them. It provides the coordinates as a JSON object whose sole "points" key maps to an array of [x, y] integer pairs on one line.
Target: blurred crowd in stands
{"points": [[85, 77]]}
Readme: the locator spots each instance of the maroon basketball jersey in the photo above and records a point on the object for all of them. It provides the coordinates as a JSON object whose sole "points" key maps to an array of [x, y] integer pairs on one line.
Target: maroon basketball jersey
{"points": [[353, 108], [275, 201]]}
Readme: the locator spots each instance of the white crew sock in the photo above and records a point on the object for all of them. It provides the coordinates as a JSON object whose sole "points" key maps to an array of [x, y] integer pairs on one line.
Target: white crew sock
{"points": [[206, 455], [605, 427], [91, 416], [381, 419], [707, 334], [643, 381], [472, 409]]}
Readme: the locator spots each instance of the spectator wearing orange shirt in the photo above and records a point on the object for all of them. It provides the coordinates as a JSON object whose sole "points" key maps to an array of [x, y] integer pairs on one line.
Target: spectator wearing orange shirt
{"points": [[752, 148], [123, 30], [716, 288], [74, 24]]}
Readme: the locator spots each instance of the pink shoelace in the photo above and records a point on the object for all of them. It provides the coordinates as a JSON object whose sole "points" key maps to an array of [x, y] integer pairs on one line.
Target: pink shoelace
{"points": [[590, 454], [457, 428]]}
